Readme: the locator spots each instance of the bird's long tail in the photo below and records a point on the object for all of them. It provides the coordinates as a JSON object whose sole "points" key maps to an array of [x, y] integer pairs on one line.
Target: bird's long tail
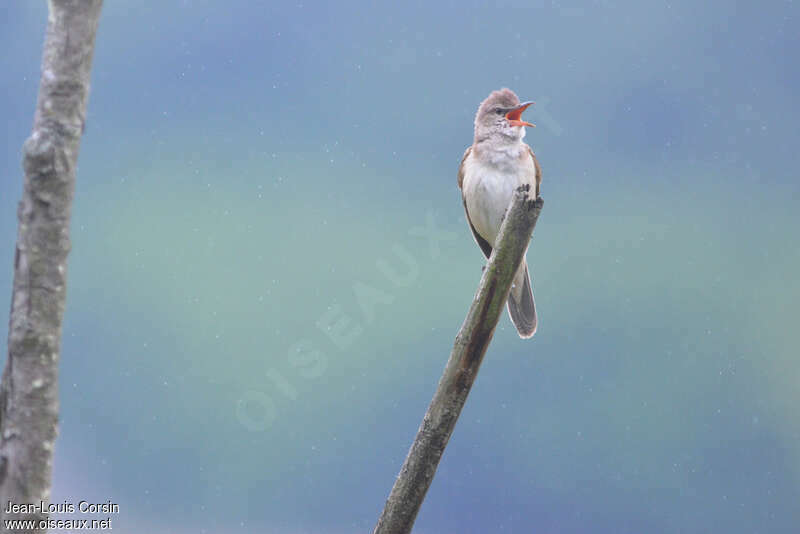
{"points": [[521, 306]]}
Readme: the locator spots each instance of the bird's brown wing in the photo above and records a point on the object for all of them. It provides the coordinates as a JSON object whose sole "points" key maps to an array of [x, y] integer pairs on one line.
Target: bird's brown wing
{"points": [[538, 169], [485, 246], [461, 166]]}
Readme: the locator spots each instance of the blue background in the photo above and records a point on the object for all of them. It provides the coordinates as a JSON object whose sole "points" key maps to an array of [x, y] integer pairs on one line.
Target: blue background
{"points": [[248, 169]]}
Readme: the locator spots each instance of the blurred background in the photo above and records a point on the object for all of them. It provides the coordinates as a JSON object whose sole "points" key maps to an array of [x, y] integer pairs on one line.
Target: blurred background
{"points": [[270, 263]]}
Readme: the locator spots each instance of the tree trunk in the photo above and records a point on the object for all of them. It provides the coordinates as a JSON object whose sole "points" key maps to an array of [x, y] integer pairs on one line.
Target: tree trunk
{"points": [[29, 388]]}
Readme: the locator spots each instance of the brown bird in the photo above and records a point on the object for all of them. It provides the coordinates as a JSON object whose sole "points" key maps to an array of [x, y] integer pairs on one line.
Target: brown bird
{"points": [[496, 164]]}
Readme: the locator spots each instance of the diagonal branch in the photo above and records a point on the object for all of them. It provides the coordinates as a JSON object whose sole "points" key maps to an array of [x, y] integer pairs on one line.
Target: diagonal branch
{"points": [[470, 346], [29, 388]]}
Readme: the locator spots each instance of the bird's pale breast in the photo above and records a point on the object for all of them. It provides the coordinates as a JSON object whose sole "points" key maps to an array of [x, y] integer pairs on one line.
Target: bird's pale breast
{"points": [[488, 187]]}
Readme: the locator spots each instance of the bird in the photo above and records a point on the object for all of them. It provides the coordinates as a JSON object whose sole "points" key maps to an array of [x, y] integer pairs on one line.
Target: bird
{"points": [[496, 164]]}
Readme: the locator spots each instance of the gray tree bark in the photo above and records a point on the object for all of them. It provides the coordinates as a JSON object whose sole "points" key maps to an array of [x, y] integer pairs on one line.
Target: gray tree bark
{"points": [[470, 346], [29, 388]]}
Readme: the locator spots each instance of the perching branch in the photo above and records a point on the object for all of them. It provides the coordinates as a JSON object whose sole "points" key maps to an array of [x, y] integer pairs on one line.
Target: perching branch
{"points": [[29, 388], [471, 343]]}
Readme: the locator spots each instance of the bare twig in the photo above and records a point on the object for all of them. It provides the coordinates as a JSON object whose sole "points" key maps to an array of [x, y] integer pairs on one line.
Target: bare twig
{"points": [[29, 388], [470, 345]]}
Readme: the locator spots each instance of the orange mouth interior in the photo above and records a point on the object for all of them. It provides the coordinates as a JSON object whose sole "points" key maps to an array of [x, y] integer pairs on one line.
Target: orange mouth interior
{"points": [[514, 116]]}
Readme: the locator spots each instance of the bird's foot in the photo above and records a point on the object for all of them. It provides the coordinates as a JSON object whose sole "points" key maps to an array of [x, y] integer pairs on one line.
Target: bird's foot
{"points": [[524, 188]]}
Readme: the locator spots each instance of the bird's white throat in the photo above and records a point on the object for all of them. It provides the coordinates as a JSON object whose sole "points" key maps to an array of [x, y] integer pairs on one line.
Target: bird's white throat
{"points": [[502, 150]]}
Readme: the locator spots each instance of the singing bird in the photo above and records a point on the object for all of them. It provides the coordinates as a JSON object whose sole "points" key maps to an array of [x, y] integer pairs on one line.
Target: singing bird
{"points": [[497, 163]]}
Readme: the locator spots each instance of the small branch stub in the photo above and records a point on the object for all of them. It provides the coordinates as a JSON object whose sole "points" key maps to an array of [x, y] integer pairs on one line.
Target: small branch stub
{"points": [[462, 367]]}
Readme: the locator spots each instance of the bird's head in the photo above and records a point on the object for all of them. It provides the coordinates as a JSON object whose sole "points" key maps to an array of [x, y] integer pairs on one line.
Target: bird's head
{"points": [[500, 115]]}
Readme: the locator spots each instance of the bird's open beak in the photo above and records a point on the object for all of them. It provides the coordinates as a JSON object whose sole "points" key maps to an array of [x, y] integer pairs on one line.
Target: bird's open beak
{"points": [[514, 115]]}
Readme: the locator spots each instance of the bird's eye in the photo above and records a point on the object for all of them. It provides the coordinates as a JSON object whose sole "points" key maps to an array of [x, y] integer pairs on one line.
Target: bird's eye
{"points": [[499, 111]]}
